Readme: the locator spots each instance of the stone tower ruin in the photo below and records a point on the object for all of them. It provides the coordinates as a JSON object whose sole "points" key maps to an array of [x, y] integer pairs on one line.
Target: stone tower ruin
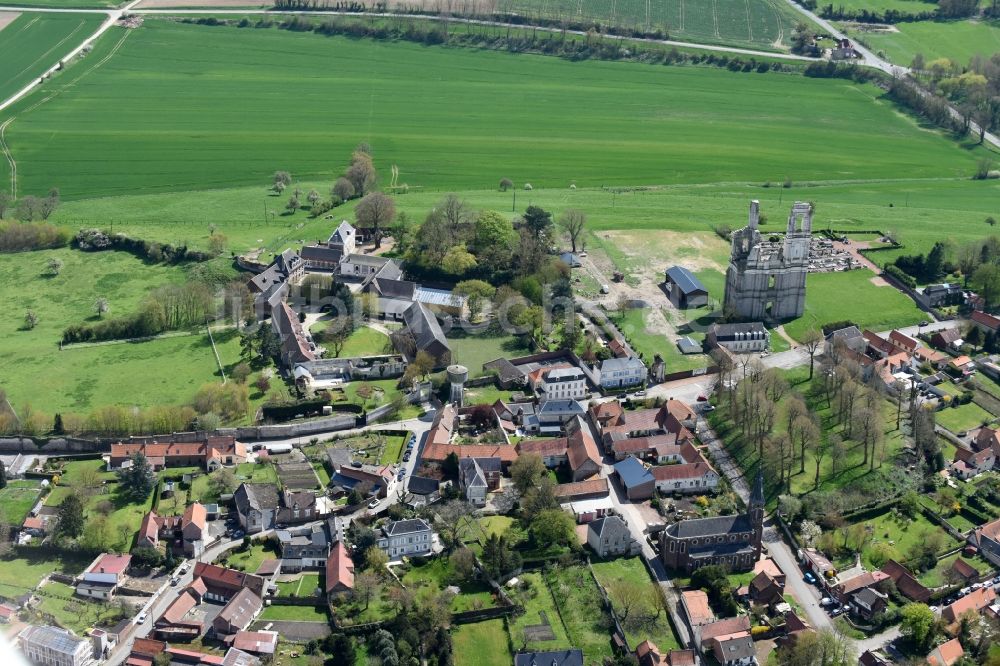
{"points": [[766, 278]]}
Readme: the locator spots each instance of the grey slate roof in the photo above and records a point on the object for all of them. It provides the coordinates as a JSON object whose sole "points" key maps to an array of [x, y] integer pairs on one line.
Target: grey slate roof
{"points": [[632, 472], [471, 473], [424, 327], [685, 280], [749, 331], [621, 364], [568, 657], [846, 333], [422, 485], [702, 527], [259, 496], [406, 527], [322, 253], [598, 526]]}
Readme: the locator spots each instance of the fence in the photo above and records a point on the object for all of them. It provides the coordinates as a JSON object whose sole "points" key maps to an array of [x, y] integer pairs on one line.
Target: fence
{"points": [[469, 617], [315, 602]]}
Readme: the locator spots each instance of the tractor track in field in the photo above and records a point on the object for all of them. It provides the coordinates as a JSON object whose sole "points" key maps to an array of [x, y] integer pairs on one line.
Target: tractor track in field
{"points": [[5, 149]]}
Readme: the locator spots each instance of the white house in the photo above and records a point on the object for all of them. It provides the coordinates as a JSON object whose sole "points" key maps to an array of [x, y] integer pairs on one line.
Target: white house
{"points": [[564, 383], [406, 537], [697, 477], [473, 481], [622, 372], [101, 579]]}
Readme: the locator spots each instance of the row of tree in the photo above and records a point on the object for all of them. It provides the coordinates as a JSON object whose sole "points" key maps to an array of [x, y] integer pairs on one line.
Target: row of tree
{"points": [[29, 208]]}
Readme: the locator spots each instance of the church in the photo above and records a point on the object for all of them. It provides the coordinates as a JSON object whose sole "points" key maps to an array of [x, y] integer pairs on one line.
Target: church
{"points": [[731, 541]]}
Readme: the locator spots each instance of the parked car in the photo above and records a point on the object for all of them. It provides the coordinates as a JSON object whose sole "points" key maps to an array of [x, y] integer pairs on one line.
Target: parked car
{"points": [[826, 601], [184, 569], [402, 473], [837, 611], [373, 503], [809, 578], [174, 580], [702, 398], [640, 394], [141, 618]]}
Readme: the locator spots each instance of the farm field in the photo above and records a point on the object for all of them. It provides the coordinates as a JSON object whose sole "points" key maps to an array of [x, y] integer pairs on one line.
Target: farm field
{"points": [[906, 6], [33, 42], [175, 98], [758, 23], [955, 40]]}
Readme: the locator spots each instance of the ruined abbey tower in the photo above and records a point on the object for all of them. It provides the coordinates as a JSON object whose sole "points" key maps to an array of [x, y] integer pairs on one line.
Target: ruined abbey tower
{"points": [[766, 279]]}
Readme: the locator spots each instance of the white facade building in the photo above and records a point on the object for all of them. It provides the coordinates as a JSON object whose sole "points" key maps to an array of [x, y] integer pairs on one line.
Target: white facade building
{"points": [[406, 537]]}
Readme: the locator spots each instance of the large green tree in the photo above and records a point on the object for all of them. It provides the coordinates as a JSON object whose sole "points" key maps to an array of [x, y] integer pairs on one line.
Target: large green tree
{"points": [[70, 517], [137, 480]]}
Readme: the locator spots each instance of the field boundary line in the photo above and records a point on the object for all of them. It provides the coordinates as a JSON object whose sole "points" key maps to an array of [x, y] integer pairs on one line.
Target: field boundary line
{"points": [[715, 18], [54, 47], [218, 360], [5, 149], [749, 20]]}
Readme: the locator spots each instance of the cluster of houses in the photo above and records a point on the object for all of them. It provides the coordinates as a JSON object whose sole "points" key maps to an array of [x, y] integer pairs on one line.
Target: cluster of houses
{"points": [[389, 294]]}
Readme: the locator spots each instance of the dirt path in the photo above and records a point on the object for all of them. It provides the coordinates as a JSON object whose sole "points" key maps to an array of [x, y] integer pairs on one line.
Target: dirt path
{"points": [[6, 18], [791, 341]]}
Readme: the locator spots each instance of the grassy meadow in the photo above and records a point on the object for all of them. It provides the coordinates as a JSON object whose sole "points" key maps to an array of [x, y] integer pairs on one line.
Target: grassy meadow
{"points": [[169, 113], [33, 42], [956, 40], [906, 6]]}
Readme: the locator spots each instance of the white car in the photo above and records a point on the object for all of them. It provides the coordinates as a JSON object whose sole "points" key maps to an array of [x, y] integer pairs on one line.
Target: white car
{"points": [[373, 504], [141, 618]]}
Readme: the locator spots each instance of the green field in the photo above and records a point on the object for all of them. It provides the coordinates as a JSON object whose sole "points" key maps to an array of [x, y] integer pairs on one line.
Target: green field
{"points": [[879, 308], [175, 95], [16, 500], [758, 23], [906, 6], [956, 40], [34, 42]]}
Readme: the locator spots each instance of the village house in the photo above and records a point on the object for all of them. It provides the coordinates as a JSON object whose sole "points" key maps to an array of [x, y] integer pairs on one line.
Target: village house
{"points": [[586, 500], [648, 654], [947, 339], [946, 654], [968, 463], [242, 609], [406, 538], [221, 584], [849, 337], [684, 289], [270, 287], [339, 572], [260, 506], [986, 323], [373, 478], [297, 345], [765, 590], [734, 650], [936, 295], [558, 382], [52, 646], [617, 373], [564, 657], [696, 477], [696, 607], [905, 582], [478, 477], [976, 601], [610, 537], [210, 455], [635, 478], [103, 576], [714, 629], [255, 642], [303, 548], [749, 338], [552, 451], [868, 603], [422, 333]]}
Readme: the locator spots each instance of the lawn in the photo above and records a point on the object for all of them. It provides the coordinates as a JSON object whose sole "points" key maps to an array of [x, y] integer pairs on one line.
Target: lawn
{"points": [[17, 499], [295, 613], [647, 343], [903, 532], [938, 576], [588, 625], [539, 608], [34, 42], [879, 308], [481, 644], [660, 124], [437, 574], [392, 451], [495, 524], [475, 350], [956, 40], [964, 417], [364, 341], [19, 575], [72, 612], [249, 560], [634, 571], [77, 379], [256, 473], [304, 586], [756, 23]]}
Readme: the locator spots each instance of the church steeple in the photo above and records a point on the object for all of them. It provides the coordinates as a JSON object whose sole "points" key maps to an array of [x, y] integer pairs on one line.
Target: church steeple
{"points": [[757, 496]]}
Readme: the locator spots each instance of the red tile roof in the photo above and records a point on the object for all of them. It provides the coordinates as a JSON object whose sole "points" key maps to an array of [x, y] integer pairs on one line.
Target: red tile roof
{"points": [[696, 606], [974, 601], [987, 320], [582, 449], [111, 564], [261, 642], [438, 452], [568, 491], [148, 647], [946, 654], [197, 515], [903, 340], [149, 529], [553, 446], [339, 569], [964, 569], [33, 523], [685, 471], [730, 625]]}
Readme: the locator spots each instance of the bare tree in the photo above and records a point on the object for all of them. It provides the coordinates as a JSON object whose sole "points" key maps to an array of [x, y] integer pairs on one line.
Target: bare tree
{"points": [[625, 597], [366, 586], [101, 306], [572, 221], [811, 341], [375, 211]]}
